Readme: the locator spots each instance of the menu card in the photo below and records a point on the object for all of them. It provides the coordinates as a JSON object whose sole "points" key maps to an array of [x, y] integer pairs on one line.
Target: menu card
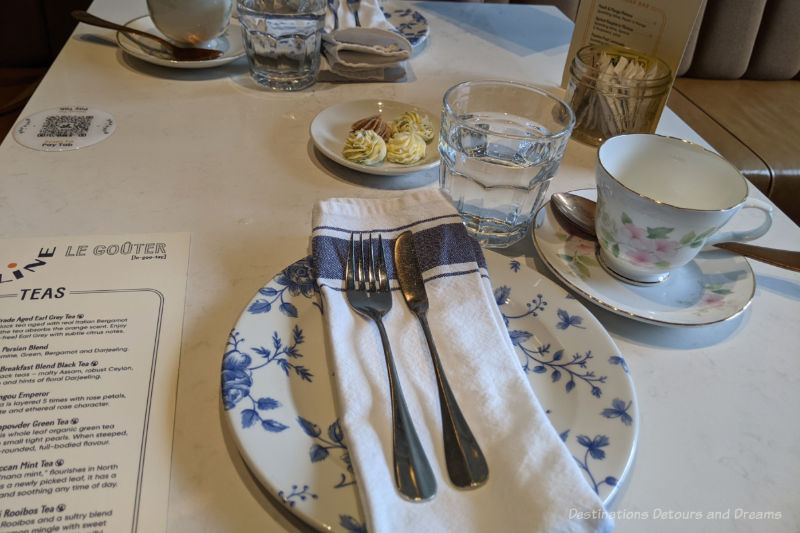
{"points": [[658, 28], [90, 331]]}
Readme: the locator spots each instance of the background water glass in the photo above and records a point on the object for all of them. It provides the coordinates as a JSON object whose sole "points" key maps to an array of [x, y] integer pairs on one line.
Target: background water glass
{"points": [[282, 39], [500, 143]]}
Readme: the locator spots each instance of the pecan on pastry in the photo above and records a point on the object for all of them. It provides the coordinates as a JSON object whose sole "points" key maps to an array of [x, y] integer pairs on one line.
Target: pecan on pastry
{"points": [[376, 124]]}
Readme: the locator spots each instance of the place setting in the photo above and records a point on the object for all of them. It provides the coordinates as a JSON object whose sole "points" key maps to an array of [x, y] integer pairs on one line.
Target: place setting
{"points": [[293, 44], [289, 365], [362, 383], [309, 393], [220, 34], [351, 380]]}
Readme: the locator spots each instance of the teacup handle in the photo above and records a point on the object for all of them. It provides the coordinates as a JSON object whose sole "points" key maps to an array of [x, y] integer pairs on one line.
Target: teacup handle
{"points": [[747, 235]]}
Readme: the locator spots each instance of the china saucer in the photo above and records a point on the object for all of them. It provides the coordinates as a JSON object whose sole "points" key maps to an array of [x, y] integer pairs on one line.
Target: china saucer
{"points": [[149, 50], [714, 287]]}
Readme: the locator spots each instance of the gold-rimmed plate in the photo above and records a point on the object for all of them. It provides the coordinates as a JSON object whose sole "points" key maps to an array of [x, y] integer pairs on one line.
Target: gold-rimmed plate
{"points": [[150, 51], [714, 287]]}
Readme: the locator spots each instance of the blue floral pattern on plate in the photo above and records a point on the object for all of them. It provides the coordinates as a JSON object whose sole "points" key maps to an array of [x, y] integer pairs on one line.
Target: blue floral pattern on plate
{"points": [[285, 425], [410, 23]]}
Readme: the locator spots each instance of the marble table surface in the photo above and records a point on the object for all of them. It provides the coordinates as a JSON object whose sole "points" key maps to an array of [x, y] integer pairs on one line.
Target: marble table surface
{"points": [[208, 152]]}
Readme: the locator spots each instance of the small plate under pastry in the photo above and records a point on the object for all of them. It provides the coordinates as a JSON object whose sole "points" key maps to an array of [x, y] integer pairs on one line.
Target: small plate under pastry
{"points": [[331, 126]]}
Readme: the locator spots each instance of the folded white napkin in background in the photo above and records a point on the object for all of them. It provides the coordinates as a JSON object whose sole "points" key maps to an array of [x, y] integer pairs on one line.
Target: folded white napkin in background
{"points": [[534, 483], [369, 15], [372, 51], [366, 53]]}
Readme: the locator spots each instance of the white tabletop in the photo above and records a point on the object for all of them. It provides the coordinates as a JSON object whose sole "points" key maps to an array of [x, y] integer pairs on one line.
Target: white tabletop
{"points": [[207, 152]]}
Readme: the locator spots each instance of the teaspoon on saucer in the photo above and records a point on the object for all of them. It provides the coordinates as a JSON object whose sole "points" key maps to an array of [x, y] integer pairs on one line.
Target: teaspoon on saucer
{"points": [[178, 52], [581, 212]]}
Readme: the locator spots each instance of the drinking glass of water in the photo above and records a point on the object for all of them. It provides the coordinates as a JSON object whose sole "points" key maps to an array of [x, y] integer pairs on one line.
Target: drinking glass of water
{"points": [[501, 143], [282, 39]]}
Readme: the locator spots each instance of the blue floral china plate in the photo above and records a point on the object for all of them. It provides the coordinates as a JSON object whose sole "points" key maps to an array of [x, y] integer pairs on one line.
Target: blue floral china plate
{"points": [[410, 23], [716, 286], [279, 402]]}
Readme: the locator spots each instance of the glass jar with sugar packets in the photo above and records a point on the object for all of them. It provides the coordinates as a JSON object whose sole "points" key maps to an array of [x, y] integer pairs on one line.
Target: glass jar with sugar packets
{"points": [[615, 90]]}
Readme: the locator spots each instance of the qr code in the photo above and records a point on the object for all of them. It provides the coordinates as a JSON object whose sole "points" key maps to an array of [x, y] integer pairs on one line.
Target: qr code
{"points": [[66, 126]]}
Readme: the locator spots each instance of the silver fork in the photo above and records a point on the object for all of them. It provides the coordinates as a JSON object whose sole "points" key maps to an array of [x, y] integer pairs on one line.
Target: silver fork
{"points": [[367, 290], [354, 5]]}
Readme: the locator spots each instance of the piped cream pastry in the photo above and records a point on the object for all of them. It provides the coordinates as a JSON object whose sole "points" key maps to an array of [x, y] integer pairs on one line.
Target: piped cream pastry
{"points": [[405, 147], [376, 124], [365, 147], [415, 122]]}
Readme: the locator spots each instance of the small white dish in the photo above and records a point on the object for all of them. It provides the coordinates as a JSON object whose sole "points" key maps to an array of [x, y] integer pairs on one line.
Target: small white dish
{"points": [[149, 50], [410, 23], [331, 126], [278, 397], [716, 286]]}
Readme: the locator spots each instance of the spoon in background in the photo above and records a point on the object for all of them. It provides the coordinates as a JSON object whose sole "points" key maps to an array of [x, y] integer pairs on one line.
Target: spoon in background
{"points": [[580, 211], [177, 52], [332, 5], [354, 6]]}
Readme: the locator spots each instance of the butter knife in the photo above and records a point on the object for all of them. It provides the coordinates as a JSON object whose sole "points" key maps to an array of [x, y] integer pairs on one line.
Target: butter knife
{"points": [[466, 464]]}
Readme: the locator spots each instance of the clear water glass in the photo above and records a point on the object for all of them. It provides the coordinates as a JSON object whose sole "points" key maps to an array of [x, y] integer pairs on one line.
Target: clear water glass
{"points": [[501, 143], [283, 39]]}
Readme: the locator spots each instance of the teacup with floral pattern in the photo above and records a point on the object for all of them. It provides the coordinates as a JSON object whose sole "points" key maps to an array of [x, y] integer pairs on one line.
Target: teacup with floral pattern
{"points": [[660, 200]]}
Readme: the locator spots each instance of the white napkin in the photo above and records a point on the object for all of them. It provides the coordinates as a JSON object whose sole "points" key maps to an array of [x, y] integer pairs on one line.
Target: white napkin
{"points": [[369, 15], [534, 483], [373, 51]]}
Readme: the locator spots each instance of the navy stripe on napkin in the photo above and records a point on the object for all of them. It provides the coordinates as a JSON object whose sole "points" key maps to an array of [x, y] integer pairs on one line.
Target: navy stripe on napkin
{"points": [[398, 229], [437, 246]]}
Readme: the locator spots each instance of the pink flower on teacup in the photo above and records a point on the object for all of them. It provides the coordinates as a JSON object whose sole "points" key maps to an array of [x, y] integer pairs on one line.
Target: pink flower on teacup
{"points": [[632, 233], [647, 251], [666, 248], [644, 246], [640, 257]]}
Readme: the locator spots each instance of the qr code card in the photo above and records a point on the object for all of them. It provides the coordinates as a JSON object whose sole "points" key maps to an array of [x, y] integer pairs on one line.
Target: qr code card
{"points": [[64, 128]]}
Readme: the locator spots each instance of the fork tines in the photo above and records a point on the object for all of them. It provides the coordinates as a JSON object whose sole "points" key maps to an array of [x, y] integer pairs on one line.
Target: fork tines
{"points": [[363, 270]]}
